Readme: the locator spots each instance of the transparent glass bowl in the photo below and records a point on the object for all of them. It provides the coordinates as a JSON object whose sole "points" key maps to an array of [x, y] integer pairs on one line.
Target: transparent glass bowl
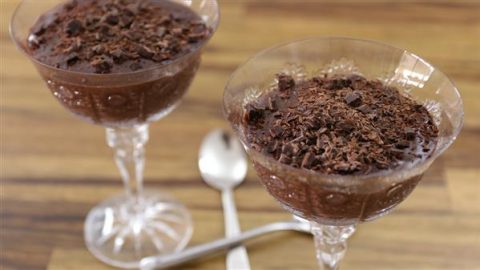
{"points": [[119, 99], [337, 202], [122, 230]]}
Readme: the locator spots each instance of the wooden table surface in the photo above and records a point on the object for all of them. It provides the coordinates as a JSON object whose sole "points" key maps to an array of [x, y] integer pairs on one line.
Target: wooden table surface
{"points": [[54, 167]]}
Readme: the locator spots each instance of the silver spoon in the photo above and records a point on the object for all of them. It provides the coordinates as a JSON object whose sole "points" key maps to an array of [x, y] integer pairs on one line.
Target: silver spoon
{"points": [[223, 166], [165, 261]]}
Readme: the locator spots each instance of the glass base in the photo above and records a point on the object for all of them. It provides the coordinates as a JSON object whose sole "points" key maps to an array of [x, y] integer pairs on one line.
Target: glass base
{"points": [[120, 232]]}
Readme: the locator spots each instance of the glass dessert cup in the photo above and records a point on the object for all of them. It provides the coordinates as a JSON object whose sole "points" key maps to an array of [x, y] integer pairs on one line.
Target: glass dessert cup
{"points": [[122, 230], [334, 204]]}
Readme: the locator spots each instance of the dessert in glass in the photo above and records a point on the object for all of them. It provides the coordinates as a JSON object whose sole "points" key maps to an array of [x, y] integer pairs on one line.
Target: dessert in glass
{"points": [[341, 130], [121, 64]]}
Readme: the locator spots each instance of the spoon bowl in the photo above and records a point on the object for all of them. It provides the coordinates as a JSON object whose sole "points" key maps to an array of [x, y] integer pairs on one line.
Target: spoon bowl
{"points": [[222, 160]]}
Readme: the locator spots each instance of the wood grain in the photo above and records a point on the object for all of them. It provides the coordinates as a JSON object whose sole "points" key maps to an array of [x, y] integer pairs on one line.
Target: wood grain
{"points": [[54, 168]]}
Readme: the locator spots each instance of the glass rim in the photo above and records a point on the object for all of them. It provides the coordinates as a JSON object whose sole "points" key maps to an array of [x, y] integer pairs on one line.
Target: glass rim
{"points": [[399, 170], [160, 66]]}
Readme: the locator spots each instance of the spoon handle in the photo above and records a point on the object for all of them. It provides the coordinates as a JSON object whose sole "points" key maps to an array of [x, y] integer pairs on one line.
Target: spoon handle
{"points": [[237, 258], [165, 261]]}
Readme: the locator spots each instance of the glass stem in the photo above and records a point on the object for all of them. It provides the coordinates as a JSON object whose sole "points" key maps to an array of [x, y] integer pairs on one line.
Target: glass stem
{"points": [[129, 153], [330, 244]]}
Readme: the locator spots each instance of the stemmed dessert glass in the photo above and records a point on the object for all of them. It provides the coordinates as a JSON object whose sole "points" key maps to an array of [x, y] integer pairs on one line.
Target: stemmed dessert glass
{"points": [[334, 204], [123, 229]]}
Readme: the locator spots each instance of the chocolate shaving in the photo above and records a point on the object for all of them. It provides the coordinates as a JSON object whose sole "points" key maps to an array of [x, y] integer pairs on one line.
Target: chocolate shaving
{"points": [[338, 83], [285, 82], [145, 52], [402, 144], [347, 126], [111, 19], [276, 131], [126, 20], [98, 49], [253, 115], [74, 27], [38, 29], [308, 160], [353, 99], [364, 109], [410, 133], [71, 58], [71, 5], [102, 64], [118, 55], [74, 47]]}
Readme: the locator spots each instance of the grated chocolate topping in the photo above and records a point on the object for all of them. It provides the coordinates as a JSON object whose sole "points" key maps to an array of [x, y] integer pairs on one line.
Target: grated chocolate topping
{"points": [[112, 36], [339, 125]]}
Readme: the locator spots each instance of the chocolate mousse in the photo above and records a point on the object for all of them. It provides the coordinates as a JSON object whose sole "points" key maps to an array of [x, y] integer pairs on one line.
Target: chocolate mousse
{"points": [[337, 125], [119, 37]]}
